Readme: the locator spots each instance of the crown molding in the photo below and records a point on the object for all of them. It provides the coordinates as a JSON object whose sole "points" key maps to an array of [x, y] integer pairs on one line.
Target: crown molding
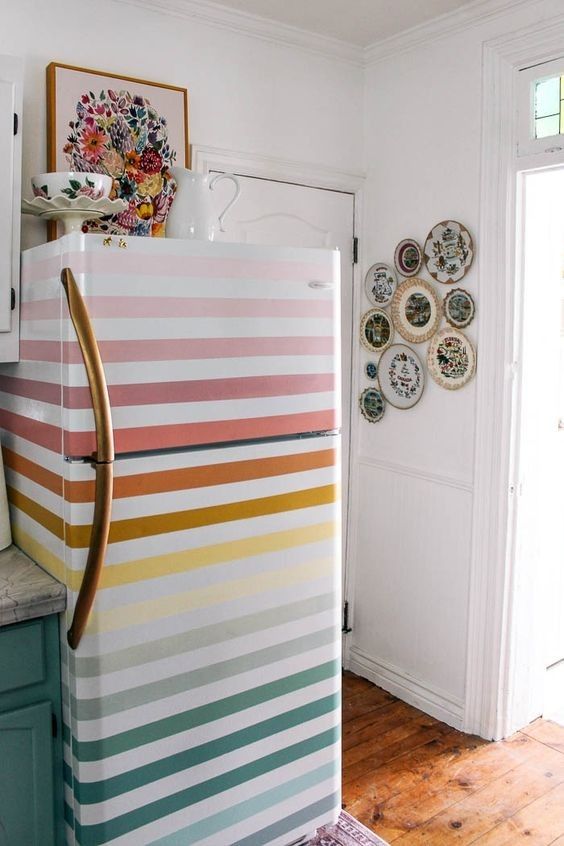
{"points": [[448, 24], [242, 23]]}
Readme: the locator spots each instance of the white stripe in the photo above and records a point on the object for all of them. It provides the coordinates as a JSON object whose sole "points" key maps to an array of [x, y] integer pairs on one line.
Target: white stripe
{"points": [[171, 745], [144, 714], [137, 798]]}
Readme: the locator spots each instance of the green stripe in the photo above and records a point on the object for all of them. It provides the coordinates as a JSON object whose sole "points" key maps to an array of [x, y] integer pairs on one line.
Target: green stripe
{"points": [[68, 814], [89, 793], [105, 706], [167, 647], [95, 835], [97, 750], [328, 805], [244, 810]]}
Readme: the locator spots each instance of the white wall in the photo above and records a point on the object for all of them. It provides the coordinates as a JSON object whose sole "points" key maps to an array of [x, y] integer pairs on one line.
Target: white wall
{"points": [[414, 470], [245, 94]]}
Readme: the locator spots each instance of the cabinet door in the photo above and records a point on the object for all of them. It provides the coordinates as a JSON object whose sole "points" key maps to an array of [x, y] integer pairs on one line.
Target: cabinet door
{"points": [[26, 777]]}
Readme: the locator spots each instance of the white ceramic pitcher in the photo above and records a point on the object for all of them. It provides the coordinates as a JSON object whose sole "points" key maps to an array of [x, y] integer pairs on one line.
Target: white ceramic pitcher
{"points": [[191, 214]]}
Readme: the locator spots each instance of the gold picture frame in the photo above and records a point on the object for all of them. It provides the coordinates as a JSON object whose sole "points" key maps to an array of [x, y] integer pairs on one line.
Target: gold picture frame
{"points": [[68, 84]]}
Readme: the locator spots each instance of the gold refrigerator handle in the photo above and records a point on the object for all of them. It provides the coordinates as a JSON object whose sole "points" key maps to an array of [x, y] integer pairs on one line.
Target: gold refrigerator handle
{"points": [[103, 458]]}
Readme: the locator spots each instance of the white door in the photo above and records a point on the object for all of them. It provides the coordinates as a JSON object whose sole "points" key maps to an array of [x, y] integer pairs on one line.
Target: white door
{"points": [[286, 214]]}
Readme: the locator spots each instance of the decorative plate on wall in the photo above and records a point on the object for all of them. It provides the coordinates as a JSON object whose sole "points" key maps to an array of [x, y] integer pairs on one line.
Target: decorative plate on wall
{"points": [[408, 257], [416, 310], [448, 251], [459, 308], [380, 283], [371, 370], [451, 359], [401, 375], [376, 330], [372, 405]]}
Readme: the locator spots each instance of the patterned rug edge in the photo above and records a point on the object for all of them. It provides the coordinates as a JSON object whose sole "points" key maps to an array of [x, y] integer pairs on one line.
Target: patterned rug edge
{"points": [[347, 832]]}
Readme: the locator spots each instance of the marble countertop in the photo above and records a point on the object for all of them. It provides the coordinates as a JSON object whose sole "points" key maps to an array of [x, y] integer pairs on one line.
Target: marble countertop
{"points": [[27, 591]]}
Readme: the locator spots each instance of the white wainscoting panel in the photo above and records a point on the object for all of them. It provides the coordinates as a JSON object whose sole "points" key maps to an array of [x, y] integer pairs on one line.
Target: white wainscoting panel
{"points": [[411, 585]]}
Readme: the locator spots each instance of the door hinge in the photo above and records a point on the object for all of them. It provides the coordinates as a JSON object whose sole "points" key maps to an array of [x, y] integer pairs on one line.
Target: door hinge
{"points": [[12, 298], [355, 250], [54, 725], [346, 628], [16, 123]]}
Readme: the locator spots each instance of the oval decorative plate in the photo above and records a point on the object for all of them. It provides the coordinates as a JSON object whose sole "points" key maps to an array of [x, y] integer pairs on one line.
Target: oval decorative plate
{"points": [[416, 310], [459, 308], [371, 370], [376, 330], [401, 376], [372, 405], [448, 251], [408, 257], [380, 283], [451, 359]]}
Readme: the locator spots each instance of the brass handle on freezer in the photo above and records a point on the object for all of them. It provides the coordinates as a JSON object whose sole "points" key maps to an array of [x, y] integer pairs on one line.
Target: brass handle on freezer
{"points": [[103, 457]]}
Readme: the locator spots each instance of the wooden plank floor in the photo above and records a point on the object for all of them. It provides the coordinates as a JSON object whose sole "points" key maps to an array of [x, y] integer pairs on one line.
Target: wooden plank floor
{"points": [[416, 782]]}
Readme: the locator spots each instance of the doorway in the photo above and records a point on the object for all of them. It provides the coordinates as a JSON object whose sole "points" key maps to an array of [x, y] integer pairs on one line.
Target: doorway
{"points": [[538, 539]]}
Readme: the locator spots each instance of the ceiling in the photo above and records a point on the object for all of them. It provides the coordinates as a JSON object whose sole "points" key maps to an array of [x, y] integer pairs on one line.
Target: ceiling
{"points": [[358, 22]]}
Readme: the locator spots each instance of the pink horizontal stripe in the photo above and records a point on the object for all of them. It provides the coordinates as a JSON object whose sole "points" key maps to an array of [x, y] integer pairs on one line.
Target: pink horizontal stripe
{"points": [[121, 308], [134, 264], [204, 390], [31, 389], [190, 434], [43, 434], [179, 349]]}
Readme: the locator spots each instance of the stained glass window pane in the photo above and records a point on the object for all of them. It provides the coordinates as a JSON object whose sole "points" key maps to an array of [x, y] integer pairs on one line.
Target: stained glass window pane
{"points": [[547, 126], [547, 97]]}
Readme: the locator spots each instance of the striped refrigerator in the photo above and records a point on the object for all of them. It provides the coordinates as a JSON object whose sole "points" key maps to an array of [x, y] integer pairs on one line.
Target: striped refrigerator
{"points": [[171, 445]]}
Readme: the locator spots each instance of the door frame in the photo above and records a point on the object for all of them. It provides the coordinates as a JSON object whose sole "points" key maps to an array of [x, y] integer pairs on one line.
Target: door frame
{"points": [[308, 175], [493, 614]]}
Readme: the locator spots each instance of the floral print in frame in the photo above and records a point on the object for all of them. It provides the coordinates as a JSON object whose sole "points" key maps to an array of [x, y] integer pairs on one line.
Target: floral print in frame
{"points": [[130, 129]]}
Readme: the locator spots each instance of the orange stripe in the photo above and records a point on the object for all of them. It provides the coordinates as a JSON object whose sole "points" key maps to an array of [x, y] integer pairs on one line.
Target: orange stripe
{"points": [[163, 481], [41, 515], [157, 524], [33, 471]]}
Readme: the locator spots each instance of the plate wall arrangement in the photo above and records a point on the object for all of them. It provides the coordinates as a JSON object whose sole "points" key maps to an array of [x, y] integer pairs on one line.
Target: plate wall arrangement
{"points": [[448, 251], [376, 330], [408, 257], [401, 376], [379, 284], [416, 310], [459, 308], [451, 359]]}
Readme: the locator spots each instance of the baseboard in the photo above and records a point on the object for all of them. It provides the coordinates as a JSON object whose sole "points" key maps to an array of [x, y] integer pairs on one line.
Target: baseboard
{"points": [[429, 699]]}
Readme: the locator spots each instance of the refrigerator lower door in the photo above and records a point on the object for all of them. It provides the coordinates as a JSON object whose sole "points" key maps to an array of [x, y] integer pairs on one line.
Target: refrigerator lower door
{"points": [[203, 703]]}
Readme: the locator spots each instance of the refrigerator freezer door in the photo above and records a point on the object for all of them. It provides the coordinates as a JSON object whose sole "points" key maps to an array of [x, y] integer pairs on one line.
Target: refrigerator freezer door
{"points": [[203, 701], [202, 343]]}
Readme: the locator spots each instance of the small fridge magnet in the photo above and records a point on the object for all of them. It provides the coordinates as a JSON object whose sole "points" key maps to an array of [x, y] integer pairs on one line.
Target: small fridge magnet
{"points": [[408, 257], [459, 308], [416, 310], [371, 370], [448, 251], [376, 330], [401, 375], [451, 359], [380, 283], [372, 405]]}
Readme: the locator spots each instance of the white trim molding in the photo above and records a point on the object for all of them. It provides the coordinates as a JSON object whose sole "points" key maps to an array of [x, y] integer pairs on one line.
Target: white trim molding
{"points": [[416, 472], [431, 700], [489, 654]]}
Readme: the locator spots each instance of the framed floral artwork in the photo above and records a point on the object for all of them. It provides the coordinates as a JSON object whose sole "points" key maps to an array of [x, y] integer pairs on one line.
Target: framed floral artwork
{"points": [[130, 129]]}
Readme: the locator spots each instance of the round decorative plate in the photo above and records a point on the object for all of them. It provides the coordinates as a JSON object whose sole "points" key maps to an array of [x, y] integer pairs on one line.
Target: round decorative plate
{"points": [[416, 310], [371, 370], [408, 257], [448, 251], [376, 330], [372, 405], [451, 359], [459, 308], [401, 376], [380, 283]]}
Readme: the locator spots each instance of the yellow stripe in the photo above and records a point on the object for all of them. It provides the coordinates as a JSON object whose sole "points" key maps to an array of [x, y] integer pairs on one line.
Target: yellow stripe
{"points": [[194, 559], [39, 553], [177, 521], [155, 609]]}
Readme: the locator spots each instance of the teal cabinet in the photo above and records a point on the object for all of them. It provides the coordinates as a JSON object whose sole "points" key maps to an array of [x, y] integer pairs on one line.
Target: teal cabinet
{"points": [[31, 784]]}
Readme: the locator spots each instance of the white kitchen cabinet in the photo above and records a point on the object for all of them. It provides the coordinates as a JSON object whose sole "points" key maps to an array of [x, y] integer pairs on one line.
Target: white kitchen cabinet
{"points": [[11, 85]]}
